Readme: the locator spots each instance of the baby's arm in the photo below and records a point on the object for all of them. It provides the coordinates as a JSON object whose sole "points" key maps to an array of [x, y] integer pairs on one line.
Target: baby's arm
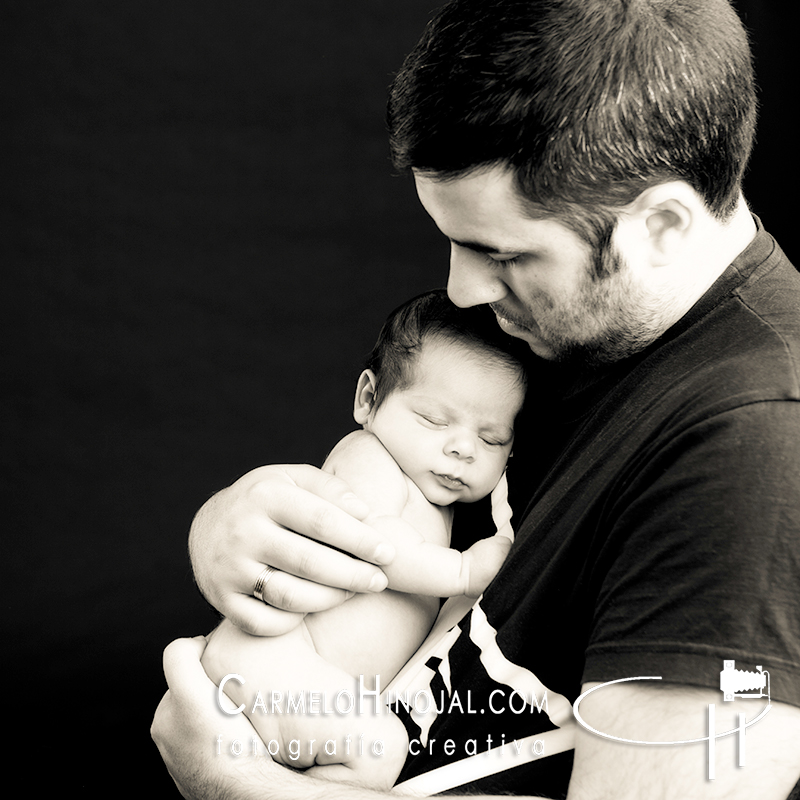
{"points": [[430, 569], [424, 563]]}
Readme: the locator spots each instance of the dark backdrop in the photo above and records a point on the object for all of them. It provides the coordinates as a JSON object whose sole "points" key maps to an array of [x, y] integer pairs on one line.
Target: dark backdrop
{"points": [[201, 237]]}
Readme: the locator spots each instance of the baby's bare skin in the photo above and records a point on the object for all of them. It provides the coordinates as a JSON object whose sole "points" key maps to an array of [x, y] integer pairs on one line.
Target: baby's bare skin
{"points": [[371, 635], [445, 437]]}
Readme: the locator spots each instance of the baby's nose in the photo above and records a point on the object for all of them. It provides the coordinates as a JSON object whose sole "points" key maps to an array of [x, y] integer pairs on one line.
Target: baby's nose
{"points": [[461, 446]]}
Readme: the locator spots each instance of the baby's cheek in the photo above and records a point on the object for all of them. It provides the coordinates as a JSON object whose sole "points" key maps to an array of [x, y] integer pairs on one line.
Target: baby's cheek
{"points": [[493, 475], [408, 457]]}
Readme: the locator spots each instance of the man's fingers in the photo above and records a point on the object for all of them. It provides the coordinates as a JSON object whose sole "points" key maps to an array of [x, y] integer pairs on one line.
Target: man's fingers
{"points": [[190, 718], [329, 488], [328, 569], [318, 507], [259, 619], [185, 675], [284, 589], [286, 599], [297, 520]]}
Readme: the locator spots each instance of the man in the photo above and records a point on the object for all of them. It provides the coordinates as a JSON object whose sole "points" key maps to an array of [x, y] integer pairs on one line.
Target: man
{"points": [[584, 158]]}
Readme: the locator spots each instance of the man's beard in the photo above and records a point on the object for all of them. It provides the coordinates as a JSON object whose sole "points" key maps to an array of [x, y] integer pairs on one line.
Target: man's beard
{"points": [[611, 318]]}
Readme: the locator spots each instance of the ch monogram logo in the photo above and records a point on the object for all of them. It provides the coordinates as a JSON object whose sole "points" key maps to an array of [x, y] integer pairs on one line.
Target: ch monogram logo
{"points": [[733, 683]]}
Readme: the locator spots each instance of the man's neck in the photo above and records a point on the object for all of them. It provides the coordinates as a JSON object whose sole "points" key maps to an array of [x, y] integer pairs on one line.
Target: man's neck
{"points": [[715, 245], [729, 239]]}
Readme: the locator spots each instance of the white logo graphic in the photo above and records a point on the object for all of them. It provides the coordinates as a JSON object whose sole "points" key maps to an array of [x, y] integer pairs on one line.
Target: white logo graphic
{"points": [[732, 682]]}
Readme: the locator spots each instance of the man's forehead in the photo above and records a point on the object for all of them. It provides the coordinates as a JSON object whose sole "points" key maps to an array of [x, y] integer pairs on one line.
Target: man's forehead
{"points": [[485, 212], [495, 181]]}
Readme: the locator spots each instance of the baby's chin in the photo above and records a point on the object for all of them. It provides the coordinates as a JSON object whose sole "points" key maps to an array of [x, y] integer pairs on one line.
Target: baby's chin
{"points": [[440, 496], [437, 501]]}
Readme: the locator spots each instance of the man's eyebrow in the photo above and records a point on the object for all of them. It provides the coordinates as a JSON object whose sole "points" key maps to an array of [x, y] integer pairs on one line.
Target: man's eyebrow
{"points": [[479, 247]]}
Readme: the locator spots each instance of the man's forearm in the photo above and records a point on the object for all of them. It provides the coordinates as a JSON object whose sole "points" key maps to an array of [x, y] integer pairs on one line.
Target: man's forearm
{"points": [[290, 785]]}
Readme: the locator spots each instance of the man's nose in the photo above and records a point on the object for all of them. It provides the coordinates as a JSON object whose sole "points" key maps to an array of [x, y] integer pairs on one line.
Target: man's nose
{"points": [[472, 281]]}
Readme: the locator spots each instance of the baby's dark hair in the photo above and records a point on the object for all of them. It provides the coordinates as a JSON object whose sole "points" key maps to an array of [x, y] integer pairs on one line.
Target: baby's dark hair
{"points": [[433, 314]]}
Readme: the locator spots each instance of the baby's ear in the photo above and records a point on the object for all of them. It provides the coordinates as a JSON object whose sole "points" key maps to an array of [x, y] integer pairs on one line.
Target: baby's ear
{"points": [[365, 397]]}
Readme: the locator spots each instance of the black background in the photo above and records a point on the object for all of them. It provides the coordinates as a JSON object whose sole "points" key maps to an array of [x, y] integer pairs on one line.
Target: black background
{"points": [[201, 235]]}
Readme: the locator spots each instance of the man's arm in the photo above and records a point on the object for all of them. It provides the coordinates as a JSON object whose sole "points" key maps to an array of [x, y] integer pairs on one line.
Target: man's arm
{"points": [[652, 712]]}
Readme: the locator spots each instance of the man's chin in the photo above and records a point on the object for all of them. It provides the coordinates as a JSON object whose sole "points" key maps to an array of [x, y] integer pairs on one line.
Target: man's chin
{"points": [[539, 348], [531, 336], [530, 333]]}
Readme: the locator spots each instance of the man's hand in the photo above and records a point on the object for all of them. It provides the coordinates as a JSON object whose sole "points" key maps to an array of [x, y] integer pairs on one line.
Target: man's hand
{"points": [[186, 726], [195, 739], [252, 524]]}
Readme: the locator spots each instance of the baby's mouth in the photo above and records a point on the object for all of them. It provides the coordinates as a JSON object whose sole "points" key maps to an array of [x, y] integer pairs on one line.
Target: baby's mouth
{"points": [[450, 481]]}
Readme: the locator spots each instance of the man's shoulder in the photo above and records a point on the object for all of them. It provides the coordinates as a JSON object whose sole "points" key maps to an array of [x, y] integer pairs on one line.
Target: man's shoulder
{"points": [[770, 302], [744, 345], [753, 339]]}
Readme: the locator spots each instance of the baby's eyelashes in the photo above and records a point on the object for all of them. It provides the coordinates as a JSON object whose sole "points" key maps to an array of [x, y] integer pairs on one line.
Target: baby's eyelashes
{"points": [[437, 423]]}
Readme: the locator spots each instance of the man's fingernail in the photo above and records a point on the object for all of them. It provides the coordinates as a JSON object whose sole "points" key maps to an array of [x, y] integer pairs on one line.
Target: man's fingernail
{"points": [[378, 583], [384, 554]]}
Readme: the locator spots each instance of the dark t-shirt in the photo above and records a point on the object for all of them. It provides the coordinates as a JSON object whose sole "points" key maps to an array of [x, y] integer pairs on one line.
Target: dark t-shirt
{"points": [[657, 513]]}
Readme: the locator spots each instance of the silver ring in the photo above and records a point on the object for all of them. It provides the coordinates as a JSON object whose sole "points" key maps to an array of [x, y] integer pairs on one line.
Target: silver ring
{"points": [[261, 581]]}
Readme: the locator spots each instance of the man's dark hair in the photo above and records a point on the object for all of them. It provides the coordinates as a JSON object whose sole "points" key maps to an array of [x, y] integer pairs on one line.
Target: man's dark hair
{"points": [[589, 102], [433, 315]]}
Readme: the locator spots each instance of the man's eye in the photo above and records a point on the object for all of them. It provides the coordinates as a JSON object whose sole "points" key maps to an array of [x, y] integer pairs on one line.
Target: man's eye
{"points": [[503, 261]]}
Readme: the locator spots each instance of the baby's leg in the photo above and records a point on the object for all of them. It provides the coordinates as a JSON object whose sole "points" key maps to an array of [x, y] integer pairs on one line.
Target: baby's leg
{"points": [[309, 713]]}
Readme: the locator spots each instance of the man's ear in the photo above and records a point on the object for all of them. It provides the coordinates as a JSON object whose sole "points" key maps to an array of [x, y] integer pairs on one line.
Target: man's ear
{"points": [[365, 397], [664, 218]]}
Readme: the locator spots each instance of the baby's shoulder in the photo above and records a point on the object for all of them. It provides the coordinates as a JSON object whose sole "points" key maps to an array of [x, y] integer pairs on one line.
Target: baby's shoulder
{"points": [[366, 465], [362, 461], [360, 448]]}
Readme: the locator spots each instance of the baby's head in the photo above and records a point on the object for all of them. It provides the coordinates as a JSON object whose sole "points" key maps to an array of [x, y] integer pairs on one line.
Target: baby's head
{"points": [[441, 390]]}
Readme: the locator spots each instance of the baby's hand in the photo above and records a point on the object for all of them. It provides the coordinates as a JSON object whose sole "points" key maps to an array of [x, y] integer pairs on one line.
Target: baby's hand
{"points": [[483, 561]]}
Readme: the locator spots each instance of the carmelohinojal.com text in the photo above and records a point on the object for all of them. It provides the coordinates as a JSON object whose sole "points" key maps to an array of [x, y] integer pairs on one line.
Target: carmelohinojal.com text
{"points": [[364, 701]]}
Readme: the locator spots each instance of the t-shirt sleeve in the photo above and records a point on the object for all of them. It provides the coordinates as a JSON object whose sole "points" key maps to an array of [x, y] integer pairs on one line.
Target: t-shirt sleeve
{"points": [[703, 561]]}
